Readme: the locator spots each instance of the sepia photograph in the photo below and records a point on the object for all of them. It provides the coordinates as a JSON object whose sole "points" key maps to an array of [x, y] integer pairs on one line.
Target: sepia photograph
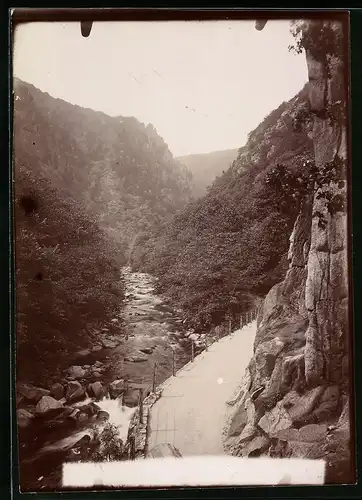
{"points": [[182, 246]]}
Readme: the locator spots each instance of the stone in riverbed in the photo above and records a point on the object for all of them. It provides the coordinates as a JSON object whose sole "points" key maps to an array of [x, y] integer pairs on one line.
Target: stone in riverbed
{"points": [[57, 391], [76, 371], [97, 390], [31, 393], [75, 392], [147, 350], [47, 404], [139, 359], [90, 409], [24, 418], [96, 374], [116, 388], [97, 348], [84, 352], [109, 344], [102, 415]]}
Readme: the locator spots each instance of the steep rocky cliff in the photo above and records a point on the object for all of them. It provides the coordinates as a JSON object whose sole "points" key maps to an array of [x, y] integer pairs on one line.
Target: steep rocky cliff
{"points": [[294, 399]]}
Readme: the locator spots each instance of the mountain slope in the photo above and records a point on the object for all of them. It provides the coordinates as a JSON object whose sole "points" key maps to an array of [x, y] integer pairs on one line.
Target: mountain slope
{"points": [[230, 246], [205, 167], [85, 185], [119, 168]]}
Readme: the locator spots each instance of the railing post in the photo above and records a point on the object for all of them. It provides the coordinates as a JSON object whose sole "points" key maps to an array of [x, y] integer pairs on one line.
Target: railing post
{"points": [[241, 321], [173, 363], [140, 406], [229, 326], [192, 350], [154, 378], [132, 448]]}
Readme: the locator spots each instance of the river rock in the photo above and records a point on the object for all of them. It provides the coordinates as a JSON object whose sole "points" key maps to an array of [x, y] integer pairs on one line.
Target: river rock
{"points": [[57, 391], [97, 390], [109, 344], [97, 348], [116, 388], [47, 404], [90, 409], [147, 350], [76, 371], [96, 374], [102, 416], [114, 320], [24, 418], [75, 392], [84, 352], [194, 336], [139, 359], [74, 414], [31, 393]]}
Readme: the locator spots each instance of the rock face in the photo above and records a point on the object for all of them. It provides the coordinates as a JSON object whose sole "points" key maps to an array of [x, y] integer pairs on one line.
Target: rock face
{"points": [[295, 394]]}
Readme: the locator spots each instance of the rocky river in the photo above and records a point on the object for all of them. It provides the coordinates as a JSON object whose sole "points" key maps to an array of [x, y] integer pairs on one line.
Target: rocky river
{"points": [[101, 383]]}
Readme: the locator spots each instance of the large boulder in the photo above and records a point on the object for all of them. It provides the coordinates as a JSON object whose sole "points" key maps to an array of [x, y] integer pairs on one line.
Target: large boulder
{"points": [[116, 388], [97, 390], [328, 405], [31, 393], [256, 447], [275, 420], [47, 404], [57, 391], [90, 409], [102, 416], [301, 408], [24, 418], [76, 372], [75, 392]]}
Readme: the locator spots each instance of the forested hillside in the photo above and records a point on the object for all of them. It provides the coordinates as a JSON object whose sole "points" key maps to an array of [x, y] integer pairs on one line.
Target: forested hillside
{"points": [[119, 168], [85, 185], [206, 167], [230, 247]]}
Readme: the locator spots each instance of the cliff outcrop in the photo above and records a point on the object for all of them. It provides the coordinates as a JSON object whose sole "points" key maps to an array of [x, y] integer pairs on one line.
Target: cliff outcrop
{"points": [[295, 400]]}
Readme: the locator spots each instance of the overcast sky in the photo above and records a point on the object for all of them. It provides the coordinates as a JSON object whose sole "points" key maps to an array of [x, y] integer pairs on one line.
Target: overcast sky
{"points": [[203, 85]]}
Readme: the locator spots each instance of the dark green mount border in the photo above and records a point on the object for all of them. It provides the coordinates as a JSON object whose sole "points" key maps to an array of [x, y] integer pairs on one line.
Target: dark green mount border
{"points": [[8, 429]]}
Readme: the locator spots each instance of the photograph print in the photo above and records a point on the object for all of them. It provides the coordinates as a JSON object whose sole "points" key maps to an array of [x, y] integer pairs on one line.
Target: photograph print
{"points": [[182, 252]]}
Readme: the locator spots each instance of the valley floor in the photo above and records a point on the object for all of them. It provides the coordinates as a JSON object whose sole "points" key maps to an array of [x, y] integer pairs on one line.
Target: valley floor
{"points": [[192, 410]]}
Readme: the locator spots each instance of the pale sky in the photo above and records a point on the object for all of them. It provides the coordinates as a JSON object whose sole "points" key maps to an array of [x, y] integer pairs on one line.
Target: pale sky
{"points": [[203, 85]]}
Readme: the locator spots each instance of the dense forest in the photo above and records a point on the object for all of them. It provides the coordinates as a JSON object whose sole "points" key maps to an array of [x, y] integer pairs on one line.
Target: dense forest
{"points": [[85, 185], [205, 167], [120, 169], [228, 248]]}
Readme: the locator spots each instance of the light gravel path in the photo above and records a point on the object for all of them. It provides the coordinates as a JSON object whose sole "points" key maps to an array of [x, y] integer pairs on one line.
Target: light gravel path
{"points": [[192, 410]]}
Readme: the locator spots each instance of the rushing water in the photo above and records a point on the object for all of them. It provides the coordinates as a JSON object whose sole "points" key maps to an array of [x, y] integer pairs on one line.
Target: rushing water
{"points": [[150, 330]]}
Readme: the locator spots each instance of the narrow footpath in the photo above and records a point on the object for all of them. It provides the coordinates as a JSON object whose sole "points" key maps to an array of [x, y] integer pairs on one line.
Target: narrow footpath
{"points": [[192, 410]]}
